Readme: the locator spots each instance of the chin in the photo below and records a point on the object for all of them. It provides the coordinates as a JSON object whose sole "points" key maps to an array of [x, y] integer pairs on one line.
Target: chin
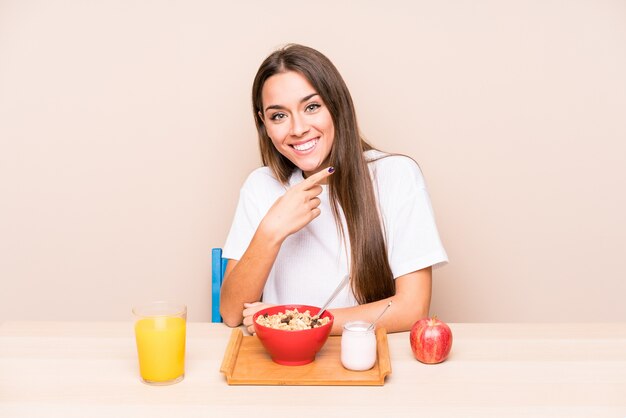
{"points": [[310, 170], [309, 167]]}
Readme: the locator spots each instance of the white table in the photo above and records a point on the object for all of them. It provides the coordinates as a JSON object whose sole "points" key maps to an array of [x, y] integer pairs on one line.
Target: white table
{"points": [[84, 369]]}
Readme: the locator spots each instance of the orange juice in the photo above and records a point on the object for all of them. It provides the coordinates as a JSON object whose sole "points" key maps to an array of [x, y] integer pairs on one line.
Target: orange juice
{"points": [[161, 348]]}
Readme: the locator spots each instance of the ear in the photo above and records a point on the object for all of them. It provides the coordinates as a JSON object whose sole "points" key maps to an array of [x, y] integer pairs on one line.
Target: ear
{"points": [[261, 117]]}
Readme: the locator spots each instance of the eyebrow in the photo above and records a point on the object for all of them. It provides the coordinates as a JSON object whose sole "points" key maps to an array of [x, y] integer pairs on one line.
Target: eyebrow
{"points": [[304, 99]]}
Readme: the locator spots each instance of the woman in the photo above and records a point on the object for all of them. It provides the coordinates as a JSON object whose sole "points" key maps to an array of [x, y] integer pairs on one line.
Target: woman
{"points": [[326, 204]]}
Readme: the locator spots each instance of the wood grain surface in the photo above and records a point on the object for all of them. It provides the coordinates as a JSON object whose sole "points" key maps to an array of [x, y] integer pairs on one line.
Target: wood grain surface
{"points": [[247, 363]]}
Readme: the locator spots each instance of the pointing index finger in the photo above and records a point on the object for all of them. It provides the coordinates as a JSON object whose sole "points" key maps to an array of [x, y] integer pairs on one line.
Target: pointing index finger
{"points": [[319, 176]]}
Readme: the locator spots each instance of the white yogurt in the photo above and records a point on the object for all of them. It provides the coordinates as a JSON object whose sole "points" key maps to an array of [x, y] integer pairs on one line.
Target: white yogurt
{"points": [[358, 346]]}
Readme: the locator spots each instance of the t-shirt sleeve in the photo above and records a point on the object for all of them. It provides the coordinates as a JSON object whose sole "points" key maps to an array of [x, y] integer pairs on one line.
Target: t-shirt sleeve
{"points": [[413, 241], [246, 220]]}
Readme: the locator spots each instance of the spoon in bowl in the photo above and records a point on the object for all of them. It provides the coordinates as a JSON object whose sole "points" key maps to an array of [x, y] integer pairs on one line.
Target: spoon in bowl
{"points": [[381, 314], [332, 297]]}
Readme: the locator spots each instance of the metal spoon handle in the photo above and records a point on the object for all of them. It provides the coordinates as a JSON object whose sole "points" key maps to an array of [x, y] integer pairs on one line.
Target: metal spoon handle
{"points": [[332, 297], [381, 314]]}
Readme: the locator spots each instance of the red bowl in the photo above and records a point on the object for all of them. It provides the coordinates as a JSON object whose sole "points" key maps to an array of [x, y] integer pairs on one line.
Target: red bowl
{"points": [[293, 348]]}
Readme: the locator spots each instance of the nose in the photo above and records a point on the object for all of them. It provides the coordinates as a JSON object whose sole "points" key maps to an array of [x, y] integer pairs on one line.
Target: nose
{"points": [[299, 125]]}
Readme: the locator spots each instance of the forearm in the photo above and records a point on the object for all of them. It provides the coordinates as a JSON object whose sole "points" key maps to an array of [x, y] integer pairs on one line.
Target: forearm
{"points": [[245, 279], [410, 303], [397, 318]]}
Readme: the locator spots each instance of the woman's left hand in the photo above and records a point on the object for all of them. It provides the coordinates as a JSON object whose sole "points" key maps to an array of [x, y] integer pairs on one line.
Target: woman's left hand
{"points": [[249, 309]]}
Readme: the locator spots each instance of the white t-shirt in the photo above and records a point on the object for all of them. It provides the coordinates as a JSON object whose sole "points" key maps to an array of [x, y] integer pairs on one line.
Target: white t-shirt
{"points": [[312, 262]]}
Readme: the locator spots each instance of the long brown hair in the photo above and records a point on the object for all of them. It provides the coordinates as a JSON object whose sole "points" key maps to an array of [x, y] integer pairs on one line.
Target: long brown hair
{"points": [[350, 188]]}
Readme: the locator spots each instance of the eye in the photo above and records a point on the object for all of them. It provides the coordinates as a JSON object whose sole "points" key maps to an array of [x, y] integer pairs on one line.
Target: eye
{"points": [[312, 107], [278, 116]]}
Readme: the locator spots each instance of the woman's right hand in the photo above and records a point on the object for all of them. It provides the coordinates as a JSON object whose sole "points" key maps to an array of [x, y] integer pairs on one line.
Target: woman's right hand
{"points": [[296, 208], [249, 309]]}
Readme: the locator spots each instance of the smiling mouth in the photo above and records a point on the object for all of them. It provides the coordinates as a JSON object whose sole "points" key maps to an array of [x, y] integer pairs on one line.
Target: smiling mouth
{"points": [[307, 145]]}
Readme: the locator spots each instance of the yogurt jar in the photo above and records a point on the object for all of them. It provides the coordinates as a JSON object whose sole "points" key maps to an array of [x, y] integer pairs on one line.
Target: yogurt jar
{"points": [[358, 346]]}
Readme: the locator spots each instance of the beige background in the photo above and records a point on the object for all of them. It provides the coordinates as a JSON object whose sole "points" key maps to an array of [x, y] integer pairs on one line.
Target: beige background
{"points": [[126, 131]]}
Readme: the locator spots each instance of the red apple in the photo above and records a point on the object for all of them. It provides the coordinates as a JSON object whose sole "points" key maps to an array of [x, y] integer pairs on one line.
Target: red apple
{"points": [[431, 340]]}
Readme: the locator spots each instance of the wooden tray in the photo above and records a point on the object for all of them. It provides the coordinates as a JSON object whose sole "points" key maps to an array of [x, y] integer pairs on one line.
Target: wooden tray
{"points": [[247, 363]]}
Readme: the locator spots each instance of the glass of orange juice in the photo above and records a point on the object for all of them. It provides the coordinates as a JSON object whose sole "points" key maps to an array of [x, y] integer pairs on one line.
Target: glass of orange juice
{"points": [[160, 329]]}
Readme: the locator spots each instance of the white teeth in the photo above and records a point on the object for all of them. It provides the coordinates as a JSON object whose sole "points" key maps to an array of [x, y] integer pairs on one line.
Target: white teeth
{"points": [[306, 145]]}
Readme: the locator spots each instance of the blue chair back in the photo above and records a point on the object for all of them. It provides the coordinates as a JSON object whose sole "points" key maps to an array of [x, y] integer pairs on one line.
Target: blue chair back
{"points": [[218, 267]]}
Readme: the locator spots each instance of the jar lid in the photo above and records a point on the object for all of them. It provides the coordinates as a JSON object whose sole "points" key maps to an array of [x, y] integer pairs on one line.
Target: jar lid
{"points": [[357, 326]]}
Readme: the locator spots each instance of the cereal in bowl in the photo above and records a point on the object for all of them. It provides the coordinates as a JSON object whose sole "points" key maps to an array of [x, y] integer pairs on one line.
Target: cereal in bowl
{"points": [[291, 320]]}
